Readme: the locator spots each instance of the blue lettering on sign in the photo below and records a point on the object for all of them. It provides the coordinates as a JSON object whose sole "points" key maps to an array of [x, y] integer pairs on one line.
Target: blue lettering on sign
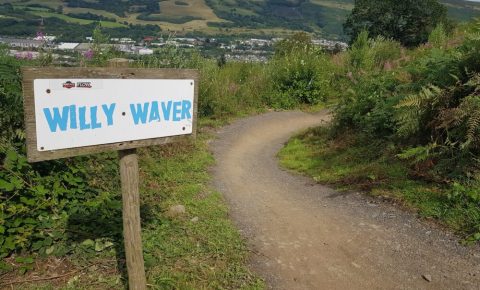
{"points": [[84, 118], [73, 117], [93, 117], [154, 112], [82, 111], [108, 110], [186, 106], [139, 114], [58, 119], [166, 110], [177, 111], [68, 117]]}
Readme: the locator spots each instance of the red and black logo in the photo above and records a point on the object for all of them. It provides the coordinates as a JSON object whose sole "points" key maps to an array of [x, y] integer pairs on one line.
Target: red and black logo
{"points": [[68, 85], [84, 85]]}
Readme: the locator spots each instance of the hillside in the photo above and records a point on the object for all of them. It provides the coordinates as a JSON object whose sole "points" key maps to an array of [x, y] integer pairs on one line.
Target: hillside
{"points": [[212, 17]]}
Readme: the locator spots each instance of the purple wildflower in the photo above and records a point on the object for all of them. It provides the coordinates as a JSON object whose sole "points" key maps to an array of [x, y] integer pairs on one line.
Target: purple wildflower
{"points": [[40, 35], [88, 54]]}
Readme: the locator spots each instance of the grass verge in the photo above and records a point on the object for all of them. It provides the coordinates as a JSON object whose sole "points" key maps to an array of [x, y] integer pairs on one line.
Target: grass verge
{"points": [[350, 162], [199, 249]]}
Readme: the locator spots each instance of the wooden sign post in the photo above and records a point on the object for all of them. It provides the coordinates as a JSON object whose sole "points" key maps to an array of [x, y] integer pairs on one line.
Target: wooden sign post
{"points": [[131, 219], [132, 230], [78, 111]]}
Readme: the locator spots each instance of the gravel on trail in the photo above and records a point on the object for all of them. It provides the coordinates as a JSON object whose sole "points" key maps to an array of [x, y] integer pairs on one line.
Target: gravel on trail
{"points": [[303, 235]]}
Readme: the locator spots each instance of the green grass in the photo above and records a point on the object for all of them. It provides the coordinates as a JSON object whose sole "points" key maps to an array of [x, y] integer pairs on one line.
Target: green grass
{"points": [[349, 162], [208, 254], [106, 24], [179, 253]]}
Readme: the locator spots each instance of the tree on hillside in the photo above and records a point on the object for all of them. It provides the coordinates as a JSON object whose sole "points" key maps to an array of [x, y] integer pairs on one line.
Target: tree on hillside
{"points": [[408, 21]]}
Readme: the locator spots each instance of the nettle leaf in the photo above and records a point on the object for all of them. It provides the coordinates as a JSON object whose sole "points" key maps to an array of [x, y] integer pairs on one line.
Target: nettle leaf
{"points": [[100, 245], [24, 260], [11, 155], [9, 243], [30, 221], [88, 243], [5, 267], [28, 201], [40, 190], [50, 250], [37, 245], [48, 241], [5, 185], [17, 182]]}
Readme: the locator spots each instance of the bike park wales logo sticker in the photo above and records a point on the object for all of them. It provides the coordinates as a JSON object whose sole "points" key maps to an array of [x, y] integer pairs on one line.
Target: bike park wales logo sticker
{"points": [[68, 85], [71, 85]]}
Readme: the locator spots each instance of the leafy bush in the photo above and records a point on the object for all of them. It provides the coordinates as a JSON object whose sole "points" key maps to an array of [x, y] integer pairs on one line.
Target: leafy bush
{"points": [[368, 106], [300, 73], [425, 100], [38, 201], [233, 88]]}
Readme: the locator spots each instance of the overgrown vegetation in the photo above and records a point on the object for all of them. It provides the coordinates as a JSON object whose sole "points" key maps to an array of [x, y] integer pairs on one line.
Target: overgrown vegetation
{"points": [[406, 126]]}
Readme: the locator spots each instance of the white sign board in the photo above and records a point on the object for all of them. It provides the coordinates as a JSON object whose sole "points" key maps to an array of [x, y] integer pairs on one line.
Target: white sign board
{"points": [[72, 113]]}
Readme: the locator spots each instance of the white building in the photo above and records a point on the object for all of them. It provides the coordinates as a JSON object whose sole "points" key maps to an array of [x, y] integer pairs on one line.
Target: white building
{"points": [[22, 42], [68, 45], [145, 51]]}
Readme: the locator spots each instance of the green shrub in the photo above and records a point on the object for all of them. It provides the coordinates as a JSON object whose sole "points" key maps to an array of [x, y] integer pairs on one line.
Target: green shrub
{"points": [[360, 53], [368, 106], [232, 89], [438, 37], [301, 77], [38, 201], [428, 99], [372, 54]]}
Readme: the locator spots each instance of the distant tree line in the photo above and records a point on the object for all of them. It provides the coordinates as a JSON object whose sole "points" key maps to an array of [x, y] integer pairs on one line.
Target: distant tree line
{"points": [[170, 19], [91, 16]]}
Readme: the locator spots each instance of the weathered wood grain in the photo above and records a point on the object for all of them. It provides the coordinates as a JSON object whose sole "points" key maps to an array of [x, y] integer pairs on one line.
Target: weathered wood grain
{"points": [[117, 72], [129, 176]]}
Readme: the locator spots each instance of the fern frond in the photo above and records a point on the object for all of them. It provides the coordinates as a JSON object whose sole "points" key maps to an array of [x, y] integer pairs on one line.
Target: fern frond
{"points": [[425, 95], [473, 126]]}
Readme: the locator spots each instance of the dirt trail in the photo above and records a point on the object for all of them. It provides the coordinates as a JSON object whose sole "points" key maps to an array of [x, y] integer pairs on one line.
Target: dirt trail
{"points": [[307, 236]]}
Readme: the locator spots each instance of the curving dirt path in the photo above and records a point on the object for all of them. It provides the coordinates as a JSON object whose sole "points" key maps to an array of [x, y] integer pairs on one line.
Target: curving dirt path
{"points": [[307, 236]]}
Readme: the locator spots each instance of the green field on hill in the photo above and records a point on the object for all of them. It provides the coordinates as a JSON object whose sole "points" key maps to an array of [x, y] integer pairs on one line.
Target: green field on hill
{"points": [[272, 17]]}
